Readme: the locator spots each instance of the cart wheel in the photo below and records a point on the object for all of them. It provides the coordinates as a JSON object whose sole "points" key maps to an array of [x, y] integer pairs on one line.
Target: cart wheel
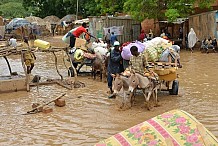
{"points": [[175, 88], [71, 72]]}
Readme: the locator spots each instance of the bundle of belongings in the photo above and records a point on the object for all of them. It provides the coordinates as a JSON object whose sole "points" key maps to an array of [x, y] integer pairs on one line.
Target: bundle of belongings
{"points": [[126, 53], [99, 47], [79, 54], [161, 50]]}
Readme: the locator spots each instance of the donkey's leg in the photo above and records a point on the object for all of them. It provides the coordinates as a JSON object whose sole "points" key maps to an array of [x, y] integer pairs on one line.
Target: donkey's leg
{"points": [[94, 75], [156, 98], [101, 75], [147, 100], [146, 103], [123, 101], [104, 75], [131, 99], [160, 85]]}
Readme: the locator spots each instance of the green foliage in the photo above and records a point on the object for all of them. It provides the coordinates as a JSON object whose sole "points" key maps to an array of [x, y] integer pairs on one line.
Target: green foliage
{"points": [[43, 8], [7, 1], [61, 8], [110, 6], [92, 9], [13, 9], [141, 9], [138, 9], [161, 9], [172, 14], [205, 3]]}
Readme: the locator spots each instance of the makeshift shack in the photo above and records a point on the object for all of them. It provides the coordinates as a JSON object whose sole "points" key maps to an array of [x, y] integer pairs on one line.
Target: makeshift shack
{"points": [[40, 26], [173, 28], [78, 23], [62, 29], [205, 24], [124, 27], [18, 27], [51, 20]]}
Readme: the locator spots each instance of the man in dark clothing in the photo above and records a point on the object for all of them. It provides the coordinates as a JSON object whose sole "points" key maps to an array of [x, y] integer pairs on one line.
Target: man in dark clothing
{"points": [[113, 38], [53, 29], [108, 37], [114, 65]]}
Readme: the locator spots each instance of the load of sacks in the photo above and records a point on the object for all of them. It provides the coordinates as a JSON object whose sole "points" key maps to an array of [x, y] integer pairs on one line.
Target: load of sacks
{"points": [[99, 47], [158, 49], [90, 53], [126, 53]]}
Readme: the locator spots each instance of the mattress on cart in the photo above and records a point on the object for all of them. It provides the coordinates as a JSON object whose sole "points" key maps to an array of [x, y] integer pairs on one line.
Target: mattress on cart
{"points": [[175, 127]]}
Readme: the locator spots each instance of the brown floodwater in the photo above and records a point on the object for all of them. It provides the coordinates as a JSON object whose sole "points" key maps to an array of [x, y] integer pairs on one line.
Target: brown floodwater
{"points": [[93, 117]]}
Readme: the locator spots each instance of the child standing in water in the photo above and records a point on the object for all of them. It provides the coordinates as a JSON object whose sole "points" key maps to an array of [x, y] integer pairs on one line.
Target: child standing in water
{"points": [[29, 57]]}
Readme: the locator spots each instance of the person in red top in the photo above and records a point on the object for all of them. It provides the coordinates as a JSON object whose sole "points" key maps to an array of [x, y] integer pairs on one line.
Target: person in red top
{"points": [[142, 36], [77, 33]]}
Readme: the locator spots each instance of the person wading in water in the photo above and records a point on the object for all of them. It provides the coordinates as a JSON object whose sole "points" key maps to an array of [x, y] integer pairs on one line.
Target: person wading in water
{"points": [[114, 65]]}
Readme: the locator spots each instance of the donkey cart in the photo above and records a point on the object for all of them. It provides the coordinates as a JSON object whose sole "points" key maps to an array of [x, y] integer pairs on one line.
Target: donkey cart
{"points": [[80, 59], [168, 76]]}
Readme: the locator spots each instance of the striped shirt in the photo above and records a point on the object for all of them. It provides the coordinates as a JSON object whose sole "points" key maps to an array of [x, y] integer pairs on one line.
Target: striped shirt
{"points": [[138, 63]]}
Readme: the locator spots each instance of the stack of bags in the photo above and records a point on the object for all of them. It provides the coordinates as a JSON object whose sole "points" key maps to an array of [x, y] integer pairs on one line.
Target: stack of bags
{"points": [[126, 53], [155, 48], [100, 47]]}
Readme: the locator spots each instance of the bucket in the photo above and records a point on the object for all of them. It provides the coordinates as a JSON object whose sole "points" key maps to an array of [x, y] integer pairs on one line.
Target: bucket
{"points": [[42, 44]]}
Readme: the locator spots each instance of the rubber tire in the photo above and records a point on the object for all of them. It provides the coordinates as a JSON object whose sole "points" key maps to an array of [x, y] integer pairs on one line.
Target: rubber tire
{"points": [[71, 72], [175, 88]]}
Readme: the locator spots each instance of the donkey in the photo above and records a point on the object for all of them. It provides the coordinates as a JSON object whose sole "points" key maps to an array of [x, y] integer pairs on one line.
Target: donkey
{"points": [[121, 82], [99, 64], [147, 85]]}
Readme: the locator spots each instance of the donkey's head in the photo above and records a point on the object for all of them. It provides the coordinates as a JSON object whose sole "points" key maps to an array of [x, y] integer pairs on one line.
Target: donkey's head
{"points": [[133, 81], [117, 83]]}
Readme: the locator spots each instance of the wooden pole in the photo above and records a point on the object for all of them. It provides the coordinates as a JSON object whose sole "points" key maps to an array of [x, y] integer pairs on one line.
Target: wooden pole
{"points": [[63, 85], [9, 67], [74, 70], [25, 70], [34, 109], [56, 65]]}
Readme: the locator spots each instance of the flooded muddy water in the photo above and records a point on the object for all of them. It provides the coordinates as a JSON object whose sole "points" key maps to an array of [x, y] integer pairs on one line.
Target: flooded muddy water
{"points": [[93, 117]]}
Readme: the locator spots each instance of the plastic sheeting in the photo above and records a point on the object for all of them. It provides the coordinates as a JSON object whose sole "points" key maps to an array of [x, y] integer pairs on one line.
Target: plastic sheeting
{"points": [[17, 22], [126, 53]]}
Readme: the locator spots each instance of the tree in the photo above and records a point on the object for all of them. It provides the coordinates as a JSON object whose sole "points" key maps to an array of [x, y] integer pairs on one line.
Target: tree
{"points": [[110, 6], [159, 9], [44, 8], [91, 8], [13, 9], [62, 7]]}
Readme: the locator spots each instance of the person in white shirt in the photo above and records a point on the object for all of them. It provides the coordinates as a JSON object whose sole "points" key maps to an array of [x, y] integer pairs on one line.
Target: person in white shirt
{"points": [[13, 42]]}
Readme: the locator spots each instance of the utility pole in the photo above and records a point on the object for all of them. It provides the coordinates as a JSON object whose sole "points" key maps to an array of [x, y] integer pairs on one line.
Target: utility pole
{"points": [[77, 8]]}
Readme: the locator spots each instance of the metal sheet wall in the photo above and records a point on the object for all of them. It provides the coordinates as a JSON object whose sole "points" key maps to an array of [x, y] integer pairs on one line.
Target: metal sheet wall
{"points": [[204, 25], [96, 25]]}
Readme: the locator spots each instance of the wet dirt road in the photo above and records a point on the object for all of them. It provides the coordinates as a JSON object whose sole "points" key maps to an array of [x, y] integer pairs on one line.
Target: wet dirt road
{"points": [[93, 117]]}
